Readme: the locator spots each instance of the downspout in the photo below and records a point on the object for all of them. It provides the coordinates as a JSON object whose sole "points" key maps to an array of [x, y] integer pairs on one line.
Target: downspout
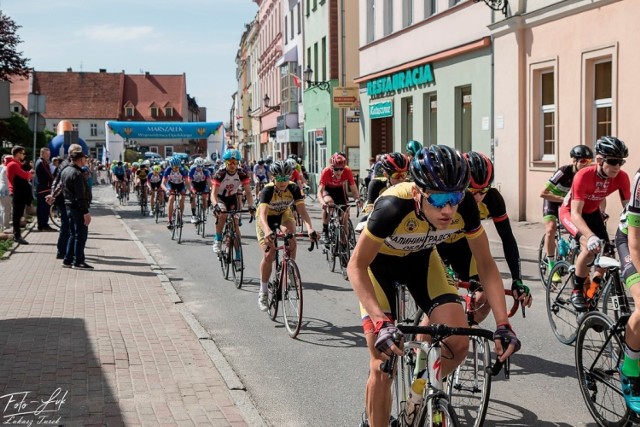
{"points": [[343, 77]]}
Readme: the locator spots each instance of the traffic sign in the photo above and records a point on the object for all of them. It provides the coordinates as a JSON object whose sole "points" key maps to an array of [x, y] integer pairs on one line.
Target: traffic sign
{"points": [[36, 122], [345, 97]]}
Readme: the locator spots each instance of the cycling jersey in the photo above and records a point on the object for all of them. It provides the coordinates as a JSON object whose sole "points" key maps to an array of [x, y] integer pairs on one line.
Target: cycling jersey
{"points": [[377, 186], [329, 180], [142, 174], [588, 186], [631, 213], [118, 170], [226, 184], [260, 171], [560, 183], [278, 202], [198, 175], [175, 177], [154, 178], [295, 176], [395, 220]]}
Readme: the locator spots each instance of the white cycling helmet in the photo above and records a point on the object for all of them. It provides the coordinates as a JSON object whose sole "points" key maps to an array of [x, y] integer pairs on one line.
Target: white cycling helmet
{"points": [[198, 162]]}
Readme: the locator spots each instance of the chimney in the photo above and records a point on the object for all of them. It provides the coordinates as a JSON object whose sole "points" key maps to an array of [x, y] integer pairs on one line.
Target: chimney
{"points": [[146, 74], [103, 70], [69, 70]]}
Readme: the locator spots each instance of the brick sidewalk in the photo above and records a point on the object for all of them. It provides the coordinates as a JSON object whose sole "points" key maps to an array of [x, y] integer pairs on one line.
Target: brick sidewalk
{"points": [[110, 341]]}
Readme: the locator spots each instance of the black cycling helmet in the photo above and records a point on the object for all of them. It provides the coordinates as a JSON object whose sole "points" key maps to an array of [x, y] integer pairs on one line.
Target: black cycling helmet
{"points": [[439, 168], [394, 162], [261, 162], [281, 168], [581, 152], [610, 146], [480, 170], [413, 147]]}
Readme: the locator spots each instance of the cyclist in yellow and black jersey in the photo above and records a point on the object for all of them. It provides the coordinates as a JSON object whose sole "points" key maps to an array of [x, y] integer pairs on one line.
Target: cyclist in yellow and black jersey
{"points": [[274, 207], [398, 245], [394, 167]]}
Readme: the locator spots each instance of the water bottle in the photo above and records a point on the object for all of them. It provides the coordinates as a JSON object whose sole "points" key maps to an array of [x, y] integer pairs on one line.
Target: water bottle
{"points": [[412, 406], [563, 247]]}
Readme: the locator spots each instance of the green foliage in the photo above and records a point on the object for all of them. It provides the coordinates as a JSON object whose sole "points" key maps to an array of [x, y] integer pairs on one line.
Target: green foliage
{"points": [[11, 61], [16, 131]]}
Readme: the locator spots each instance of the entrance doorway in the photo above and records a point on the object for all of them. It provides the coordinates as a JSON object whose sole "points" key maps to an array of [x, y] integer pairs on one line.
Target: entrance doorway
{"points": [[381, 136]]}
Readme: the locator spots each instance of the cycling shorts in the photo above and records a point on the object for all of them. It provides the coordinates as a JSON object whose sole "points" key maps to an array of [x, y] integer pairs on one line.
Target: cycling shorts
{"points": [[593, 220], [177, 188], [337, 194], [200, 187], [428, 285], [262, 179], [458, 255], [628, 271], [550, 210], [283, 219], [120, 177], [230, 202], [155, 185]]}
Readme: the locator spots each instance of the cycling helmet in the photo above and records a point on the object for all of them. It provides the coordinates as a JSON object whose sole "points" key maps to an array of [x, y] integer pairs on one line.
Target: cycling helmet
{"points": [[394, 162], [157, 168], [136, 165], [261, 162], [232, 154], [413, 147], [299, 160], [146, 163], [198, 162], [292, 163], [338, 160], [610, 146], [120, 163], [175, 161], [480, 168], [581, 152], [439, 168], [281, 168]]}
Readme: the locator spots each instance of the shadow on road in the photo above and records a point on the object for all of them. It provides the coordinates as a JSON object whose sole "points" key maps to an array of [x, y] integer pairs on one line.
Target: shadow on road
{"points": [[508, 414], [331, 335], [525, 364]]}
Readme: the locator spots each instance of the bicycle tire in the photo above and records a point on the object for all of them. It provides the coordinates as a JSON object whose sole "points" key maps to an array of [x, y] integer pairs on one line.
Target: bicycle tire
{"points": [[600, 385], [613, 307], [157, 208], [292, 302], [448, 415], [54, 215], [273, 295], [174, 217], [344, 253], [236, 272], [179, 225], [543, 264], [227, 248], [469, 386], [563, 318]]}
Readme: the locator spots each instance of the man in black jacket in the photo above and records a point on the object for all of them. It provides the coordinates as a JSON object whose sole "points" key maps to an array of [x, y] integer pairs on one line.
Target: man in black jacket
{"points": [[43, 188], [77, 197]]}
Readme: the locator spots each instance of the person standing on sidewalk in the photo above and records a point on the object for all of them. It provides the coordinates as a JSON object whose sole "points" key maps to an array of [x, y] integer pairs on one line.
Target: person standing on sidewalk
{"points": [[44, 178], [19, 188], [77, 197], [5, 198]]}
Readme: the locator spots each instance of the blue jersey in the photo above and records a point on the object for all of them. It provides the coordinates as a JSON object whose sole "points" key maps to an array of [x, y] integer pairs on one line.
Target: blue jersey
{"points": [[154, 178], [175, 177], [118, 170], [198, 174]]}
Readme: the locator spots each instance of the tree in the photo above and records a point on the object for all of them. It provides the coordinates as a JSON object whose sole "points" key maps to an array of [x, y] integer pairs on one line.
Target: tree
{"points": [[11, 61]]}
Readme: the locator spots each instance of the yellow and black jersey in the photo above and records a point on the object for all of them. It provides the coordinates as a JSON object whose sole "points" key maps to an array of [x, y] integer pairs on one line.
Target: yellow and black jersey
{"points": [[396, 222], [493, 206], [277, 202], [142, 173]]}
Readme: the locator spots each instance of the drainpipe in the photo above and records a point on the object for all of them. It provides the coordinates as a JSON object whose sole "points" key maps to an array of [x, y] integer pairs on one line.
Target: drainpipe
{"points": [[343, 79]]}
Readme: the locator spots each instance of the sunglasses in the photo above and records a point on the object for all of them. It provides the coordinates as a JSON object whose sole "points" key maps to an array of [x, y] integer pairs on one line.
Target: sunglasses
{"points": [[338, 169], [231, 162], [615, 162], [587, 161], [398, 175], [479, 190], [440, 200], [282, 178]]}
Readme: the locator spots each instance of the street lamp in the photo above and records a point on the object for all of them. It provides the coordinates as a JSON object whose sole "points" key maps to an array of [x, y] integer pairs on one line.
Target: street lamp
{"points": [[308, 73], [497, 5], [266, 101]]}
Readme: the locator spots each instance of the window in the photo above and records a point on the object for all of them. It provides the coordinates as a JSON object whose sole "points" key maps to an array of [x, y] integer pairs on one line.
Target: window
{"points": [[407, 13], [371, 20], [430, 118], [429, 8], [293, 18], [407, 119], [307, 8], [315, 5], [463, 119], [315, 61], [316, 148], [168, 151], [602, 104], [298, 8], [286, 29], [168, 111], [388, 17], [128, 111], [154, 112], [74, 127], [153, 149], [548, 116], [324, 59], [16, 109], [289, 89], [55, 128], [453, 2], [94, 129]]}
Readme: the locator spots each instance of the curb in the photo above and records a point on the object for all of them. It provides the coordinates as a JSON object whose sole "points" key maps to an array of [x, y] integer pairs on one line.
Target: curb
{"points": [[27, 230], [237, 390]]}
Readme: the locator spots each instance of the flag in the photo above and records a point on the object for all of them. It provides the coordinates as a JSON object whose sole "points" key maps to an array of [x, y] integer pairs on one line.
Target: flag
{"points": [[296, 80]]}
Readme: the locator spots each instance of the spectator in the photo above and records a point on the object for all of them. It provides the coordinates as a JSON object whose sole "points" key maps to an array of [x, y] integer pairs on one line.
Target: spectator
{"points": [[5, 197], [44, 179], [19, 188], [77, 197]]}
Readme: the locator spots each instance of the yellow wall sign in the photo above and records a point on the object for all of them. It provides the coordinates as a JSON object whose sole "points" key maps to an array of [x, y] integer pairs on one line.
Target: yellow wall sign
{"points": [[346, 97]]}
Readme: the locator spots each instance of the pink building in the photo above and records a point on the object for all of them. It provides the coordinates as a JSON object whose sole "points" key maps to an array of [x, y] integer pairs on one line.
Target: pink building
{"points": [[564, 75]]}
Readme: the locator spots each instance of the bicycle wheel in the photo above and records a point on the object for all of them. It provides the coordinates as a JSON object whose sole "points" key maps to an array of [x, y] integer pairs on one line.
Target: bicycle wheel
{"points": [[292, 299], [352, 235], [597, 367], [237, 262], [227, 248], [54, 215], [562, 316], [274, 294], [443, 415], [344, 253], [174, 219], [469, 386], [157, 208], [543, 264]]}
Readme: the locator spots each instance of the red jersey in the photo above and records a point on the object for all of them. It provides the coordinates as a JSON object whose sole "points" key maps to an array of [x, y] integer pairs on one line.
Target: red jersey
{"points": [[295, 176], [590, 188], [328, 179]]}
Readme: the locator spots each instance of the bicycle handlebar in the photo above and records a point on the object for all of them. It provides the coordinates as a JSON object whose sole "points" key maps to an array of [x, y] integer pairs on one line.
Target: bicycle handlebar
{"points": [[509, 292]]}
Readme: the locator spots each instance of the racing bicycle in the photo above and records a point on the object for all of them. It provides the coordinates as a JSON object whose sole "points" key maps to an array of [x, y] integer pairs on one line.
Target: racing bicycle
{"points": [[230, 256]]}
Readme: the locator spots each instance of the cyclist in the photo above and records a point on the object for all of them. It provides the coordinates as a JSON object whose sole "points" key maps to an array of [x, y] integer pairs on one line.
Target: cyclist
{"points": [[274, 207], [199, 178], [120, 177], [455, 251], [174, 181], [260, 175], [628, 245], [226, 190], [331, 190], [141, 177], [412, 148], [394, 167], [554, 193], [154, 183], [296, 175], [580, 212], [398, 245]]}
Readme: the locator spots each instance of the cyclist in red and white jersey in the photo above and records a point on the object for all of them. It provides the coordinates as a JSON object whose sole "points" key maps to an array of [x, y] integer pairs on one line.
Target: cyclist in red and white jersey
{"points": [[581, 213], [331, 189]]}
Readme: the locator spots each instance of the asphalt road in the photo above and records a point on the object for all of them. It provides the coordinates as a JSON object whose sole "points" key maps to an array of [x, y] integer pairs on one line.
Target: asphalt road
{"points": [[318, 379]]}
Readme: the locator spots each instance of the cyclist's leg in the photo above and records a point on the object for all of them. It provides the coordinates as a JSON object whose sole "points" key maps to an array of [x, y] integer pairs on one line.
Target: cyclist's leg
{"points": [[581, 262], [172, 197], [192, 201], [328, 200], [550, 217], [266, 264], [289, 226]]}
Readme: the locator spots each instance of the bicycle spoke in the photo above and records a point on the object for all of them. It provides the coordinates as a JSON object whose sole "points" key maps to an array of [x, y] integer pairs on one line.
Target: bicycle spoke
{"points": [[292, 299]]}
